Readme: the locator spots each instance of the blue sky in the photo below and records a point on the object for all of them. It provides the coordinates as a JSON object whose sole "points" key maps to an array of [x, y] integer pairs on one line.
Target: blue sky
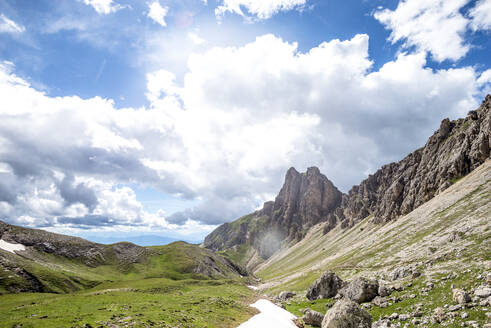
{"points": [[139, 117]]}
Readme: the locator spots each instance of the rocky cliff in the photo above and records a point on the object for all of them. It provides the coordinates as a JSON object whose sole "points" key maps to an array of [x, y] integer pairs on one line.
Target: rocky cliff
{"points": [[306, 199], [453, 151]]}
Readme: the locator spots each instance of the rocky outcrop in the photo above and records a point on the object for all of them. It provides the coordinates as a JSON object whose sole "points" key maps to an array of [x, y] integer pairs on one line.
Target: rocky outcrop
{"points": [[326, 286], [360, 290], [346, 314]]}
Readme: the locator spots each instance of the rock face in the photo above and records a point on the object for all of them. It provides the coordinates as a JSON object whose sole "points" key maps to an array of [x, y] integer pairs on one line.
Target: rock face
{"points": [[360, 290], [453, 151], [313, 318], [285, 295], [306, 199], [326, 286], [346, 314]]}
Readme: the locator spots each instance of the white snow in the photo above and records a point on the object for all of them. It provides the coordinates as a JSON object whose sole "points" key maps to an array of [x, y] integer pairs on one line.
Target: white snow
{"points": [[270, 316], [253, 287], [11, 247]]}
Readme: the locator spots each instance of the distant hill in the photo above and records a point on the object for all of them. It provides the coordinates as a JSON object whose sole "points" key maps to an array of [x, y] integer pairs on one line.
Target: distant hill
{"points": [[142, 240]]}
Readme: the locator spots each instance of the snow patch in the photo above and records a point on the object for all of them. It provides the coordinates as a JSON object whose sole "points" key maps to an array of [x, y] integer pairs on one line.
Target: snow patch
{"points": [[253, 287], [11, 247], [271, 316]]}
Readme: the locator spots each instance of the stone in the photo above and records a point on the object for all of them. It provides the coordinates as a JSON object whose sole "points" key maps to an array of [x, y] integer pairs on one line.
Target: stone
{"points": [[285, 295], [326, 286], [460, 296], [384, 290], [360, 290], [313, 318], [347, 314], [483, 292], [454, 308], [488, 278], [384, 323], [439, 315]]}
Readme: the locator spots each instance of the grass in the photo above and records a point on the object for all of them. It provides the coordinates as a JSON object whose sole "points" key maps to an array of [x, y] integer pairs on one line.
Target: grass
{"points": [[158, 302]]}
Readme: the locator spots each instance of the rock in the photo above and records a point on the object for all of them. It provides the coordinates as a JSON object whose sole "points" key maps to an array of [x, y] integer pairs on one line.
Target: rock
{"points": [[400, 272], [360, 290], [439, 315], [285, 295], [454, 308], [313, 318], [483, 292], [298, 323], [488, 278], [394, 316], [384, 290], [347, 314], [384, 323], [326, 286], [404, 317], [460, 296], [464, 315], [380, 301]]}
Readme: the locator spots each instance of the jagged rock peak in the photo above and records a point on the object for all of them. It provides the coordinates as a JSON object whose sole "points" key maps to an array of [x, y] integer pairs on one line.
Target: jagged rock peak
{"points": [[304, 200]]}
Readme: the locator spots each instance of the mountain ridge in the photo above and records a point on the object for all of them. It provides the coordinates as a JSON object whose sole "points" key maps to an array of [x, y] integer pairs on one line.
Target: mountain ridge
{"points": [[453, 151]]}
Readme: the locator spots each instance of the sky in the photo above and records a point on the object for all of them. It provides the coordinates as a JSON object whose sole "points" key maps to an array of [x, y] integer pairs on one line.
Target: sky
{"points": [[165, 118]]}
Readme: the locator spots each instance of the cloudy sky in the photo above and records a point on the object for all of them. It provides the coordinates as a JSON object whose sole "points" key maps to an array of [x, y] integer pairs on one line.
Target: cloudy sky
{"points": [[123, 118]]}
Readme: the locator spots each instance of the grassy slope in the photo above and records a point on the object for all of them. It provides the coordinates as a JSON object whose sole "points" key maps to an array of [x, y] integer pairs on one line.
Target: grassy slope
{"points": [[158, 302], [162, 291], [60, 275]]}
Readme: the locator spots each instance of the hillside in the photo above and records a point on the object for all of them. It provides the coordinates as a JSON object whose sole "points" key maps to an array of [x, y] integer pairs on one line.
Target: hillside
{"points": [[56, 263], [308, 199]]}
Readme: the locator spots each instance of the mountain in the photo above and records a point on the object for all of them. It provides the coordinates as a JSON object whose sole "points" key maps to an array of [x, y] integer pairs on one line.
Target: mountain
{"points": [[49, 262], [306, 199]]}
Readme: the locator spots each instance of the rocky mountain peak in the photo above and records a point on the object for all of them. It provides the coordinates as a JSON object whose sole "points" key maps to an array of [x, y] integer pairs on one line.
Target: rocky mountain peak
{"points": [[304, 200]]}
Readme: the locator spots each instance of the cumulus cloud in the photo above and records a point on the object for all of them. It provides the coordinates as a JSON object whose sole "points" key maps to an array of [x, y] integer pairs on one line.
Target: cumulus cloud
{"points": [[481, 15], [9, 26], [434, 26], [158, 13], [261, 9], [103, 7], [225, 135]]}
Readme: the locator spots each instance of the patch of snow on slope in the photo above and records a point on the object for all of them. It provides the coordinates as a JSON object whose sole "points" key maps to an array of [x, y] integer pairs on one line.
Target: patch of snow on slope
{"points": [[11, 247], [270, 316]]}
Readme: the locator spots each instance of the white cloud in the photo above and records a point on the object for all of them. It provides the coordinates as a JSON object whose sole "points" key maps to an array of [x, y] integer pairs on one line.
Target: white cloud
{"points": [[262, 9], [481, 15], [196, 39], [9, 26], [103, 7], [226, 134], [434, 26], [158, 13]]}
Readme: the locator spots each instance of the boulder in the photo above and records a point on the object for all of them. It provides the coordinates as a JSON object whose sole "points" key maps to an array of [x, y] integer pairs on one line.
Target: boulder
{"points": [[360, 290], [285, 295], [483, 292], [326, 286], [384, 290], [347, 314], [313, 318], [439, 315], [460, 296]]}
